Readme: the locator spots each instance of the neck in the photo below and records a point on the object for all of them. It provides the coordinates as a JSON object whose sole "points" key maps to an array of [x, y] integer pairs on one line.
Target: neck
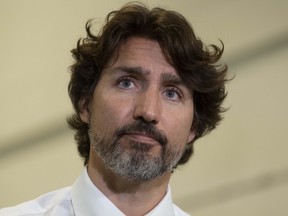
{"points": [[132, 198]]}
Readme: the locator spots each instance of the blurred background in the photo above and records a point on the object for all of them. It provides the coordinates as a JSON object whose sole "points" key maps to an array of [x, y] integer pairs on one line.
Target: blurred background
{"points": [[241, 168]]}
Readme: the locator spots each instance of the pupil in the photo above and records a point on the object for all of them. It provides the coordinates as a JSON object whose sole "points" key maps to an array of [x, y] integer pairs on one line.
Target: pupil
{"points": [[127, 83], [170, 93]]}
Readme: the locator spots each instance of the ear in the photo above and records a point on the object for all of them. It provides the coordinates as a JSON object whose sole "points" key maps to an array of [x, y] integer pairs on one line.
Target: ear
{"points": [[84, 111], [191, 135]]}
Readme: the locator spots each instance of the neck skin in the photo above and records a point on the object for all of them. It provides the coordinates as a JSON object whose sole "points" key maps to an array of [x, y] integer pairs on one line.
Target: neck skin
{"points": [[132, 198]]}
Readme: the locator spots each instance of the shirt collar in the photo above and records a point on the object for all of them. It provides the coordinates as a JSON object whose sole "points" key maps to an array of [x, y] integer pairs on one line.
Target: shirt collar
{"points": [[87, 199], [165, 207]]}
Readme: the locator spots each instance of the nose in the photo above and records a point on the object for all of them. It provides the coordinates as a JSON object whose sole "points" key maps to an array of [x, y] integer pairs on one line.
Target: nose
{"points": [[148, 106]]}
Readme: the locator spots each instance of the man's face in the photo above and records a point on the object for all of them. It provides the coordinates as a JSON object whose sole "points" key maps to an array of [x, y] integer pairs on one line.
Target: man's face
{"points": [[141, 113]]}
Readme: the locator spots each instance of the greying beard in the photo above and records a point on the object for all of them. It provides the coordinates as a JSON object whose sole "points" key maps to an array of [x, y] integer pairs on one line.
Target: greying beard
{"points": [[136, 163]]}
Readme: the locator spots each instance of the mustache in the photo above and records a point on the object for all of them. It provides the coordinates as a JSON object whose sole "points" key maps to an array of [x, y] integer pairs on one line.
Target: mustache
{"points": [[143, 127]]}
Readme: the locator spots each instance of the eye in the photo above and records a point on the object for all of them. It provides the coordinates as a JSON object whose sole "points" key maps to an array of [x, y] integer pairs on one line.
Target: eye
{"points": [[173, 94], [125, 83]]}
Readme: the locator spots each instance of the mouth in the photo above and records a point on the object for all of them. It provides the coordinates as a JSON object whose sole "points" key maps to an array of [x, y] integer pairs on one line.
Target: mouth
{"points": [[140, 132], [142, 137]]}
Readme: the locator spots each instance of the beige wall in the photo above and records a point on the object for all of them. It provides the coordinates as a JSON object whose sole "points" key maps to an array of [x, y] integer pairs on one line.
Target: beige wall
{"points": [[239, 169]]}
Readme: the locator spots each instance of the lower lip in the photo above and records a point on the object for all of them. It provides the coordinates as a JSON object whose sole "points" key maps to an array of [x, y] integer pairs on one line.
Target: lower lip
{"points": [[142, 139]]}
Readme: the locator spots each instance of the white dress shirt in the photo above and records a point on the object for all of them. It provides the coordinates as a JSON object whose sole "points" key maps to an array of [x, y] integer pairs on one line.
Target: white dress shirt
{"points": [[83, 199]]}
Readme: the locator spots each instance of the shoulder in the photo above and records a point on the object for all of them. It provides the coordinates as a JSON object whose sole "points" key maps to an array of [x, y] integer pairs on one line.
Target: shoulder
{"points": [[179, 212], [41, 205]]}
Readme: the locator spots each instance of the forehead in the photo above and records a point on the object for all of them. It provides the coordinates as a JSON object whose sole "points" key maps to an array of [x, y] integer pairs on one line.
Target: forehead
{"points": [[140, 43], [138, 51]]}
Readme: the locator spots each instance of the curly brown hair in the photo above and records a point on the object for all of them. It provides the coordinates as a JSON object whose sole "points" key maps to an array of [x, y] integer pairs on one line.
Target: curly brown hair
{"points": [[197, 64]]}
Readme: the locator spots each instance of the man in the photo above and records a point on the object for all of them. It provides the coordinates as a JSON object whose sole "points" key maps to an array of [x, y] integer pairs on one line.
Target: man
{"points": [[144, 89]]}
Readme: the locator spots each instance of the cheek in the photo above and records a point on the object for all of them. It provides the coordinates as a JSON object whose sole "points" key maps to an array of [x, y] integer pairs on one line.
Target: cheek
{"points": [[109, 113], [102, 113], [182, 133], [180, 128]]}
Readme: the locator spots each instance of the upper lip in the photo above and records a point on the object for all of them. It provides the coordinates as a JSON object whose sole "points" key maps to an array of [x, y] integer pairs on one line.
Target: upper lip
{"points": [[145, 134], [141, 134]]}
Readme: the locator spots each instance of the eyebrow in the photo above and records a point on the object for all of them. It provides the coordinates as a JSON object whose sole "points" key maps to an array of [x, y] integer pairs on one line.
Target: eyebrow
{"points": [[172, 78], [132, 70], [165, 77]]}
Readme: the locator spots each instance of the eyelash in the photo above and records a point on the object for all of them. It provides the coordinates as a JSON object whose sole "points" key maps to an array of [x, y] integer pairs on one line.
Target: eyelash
{"points": [[176, 90], [169, 88], [120, 80]]}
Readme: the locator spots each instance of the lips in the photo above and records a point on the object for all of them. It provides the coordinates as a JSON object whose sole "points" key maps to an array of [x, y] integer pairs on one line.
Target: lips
{"points": [[142, 132], [142, 137]]}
